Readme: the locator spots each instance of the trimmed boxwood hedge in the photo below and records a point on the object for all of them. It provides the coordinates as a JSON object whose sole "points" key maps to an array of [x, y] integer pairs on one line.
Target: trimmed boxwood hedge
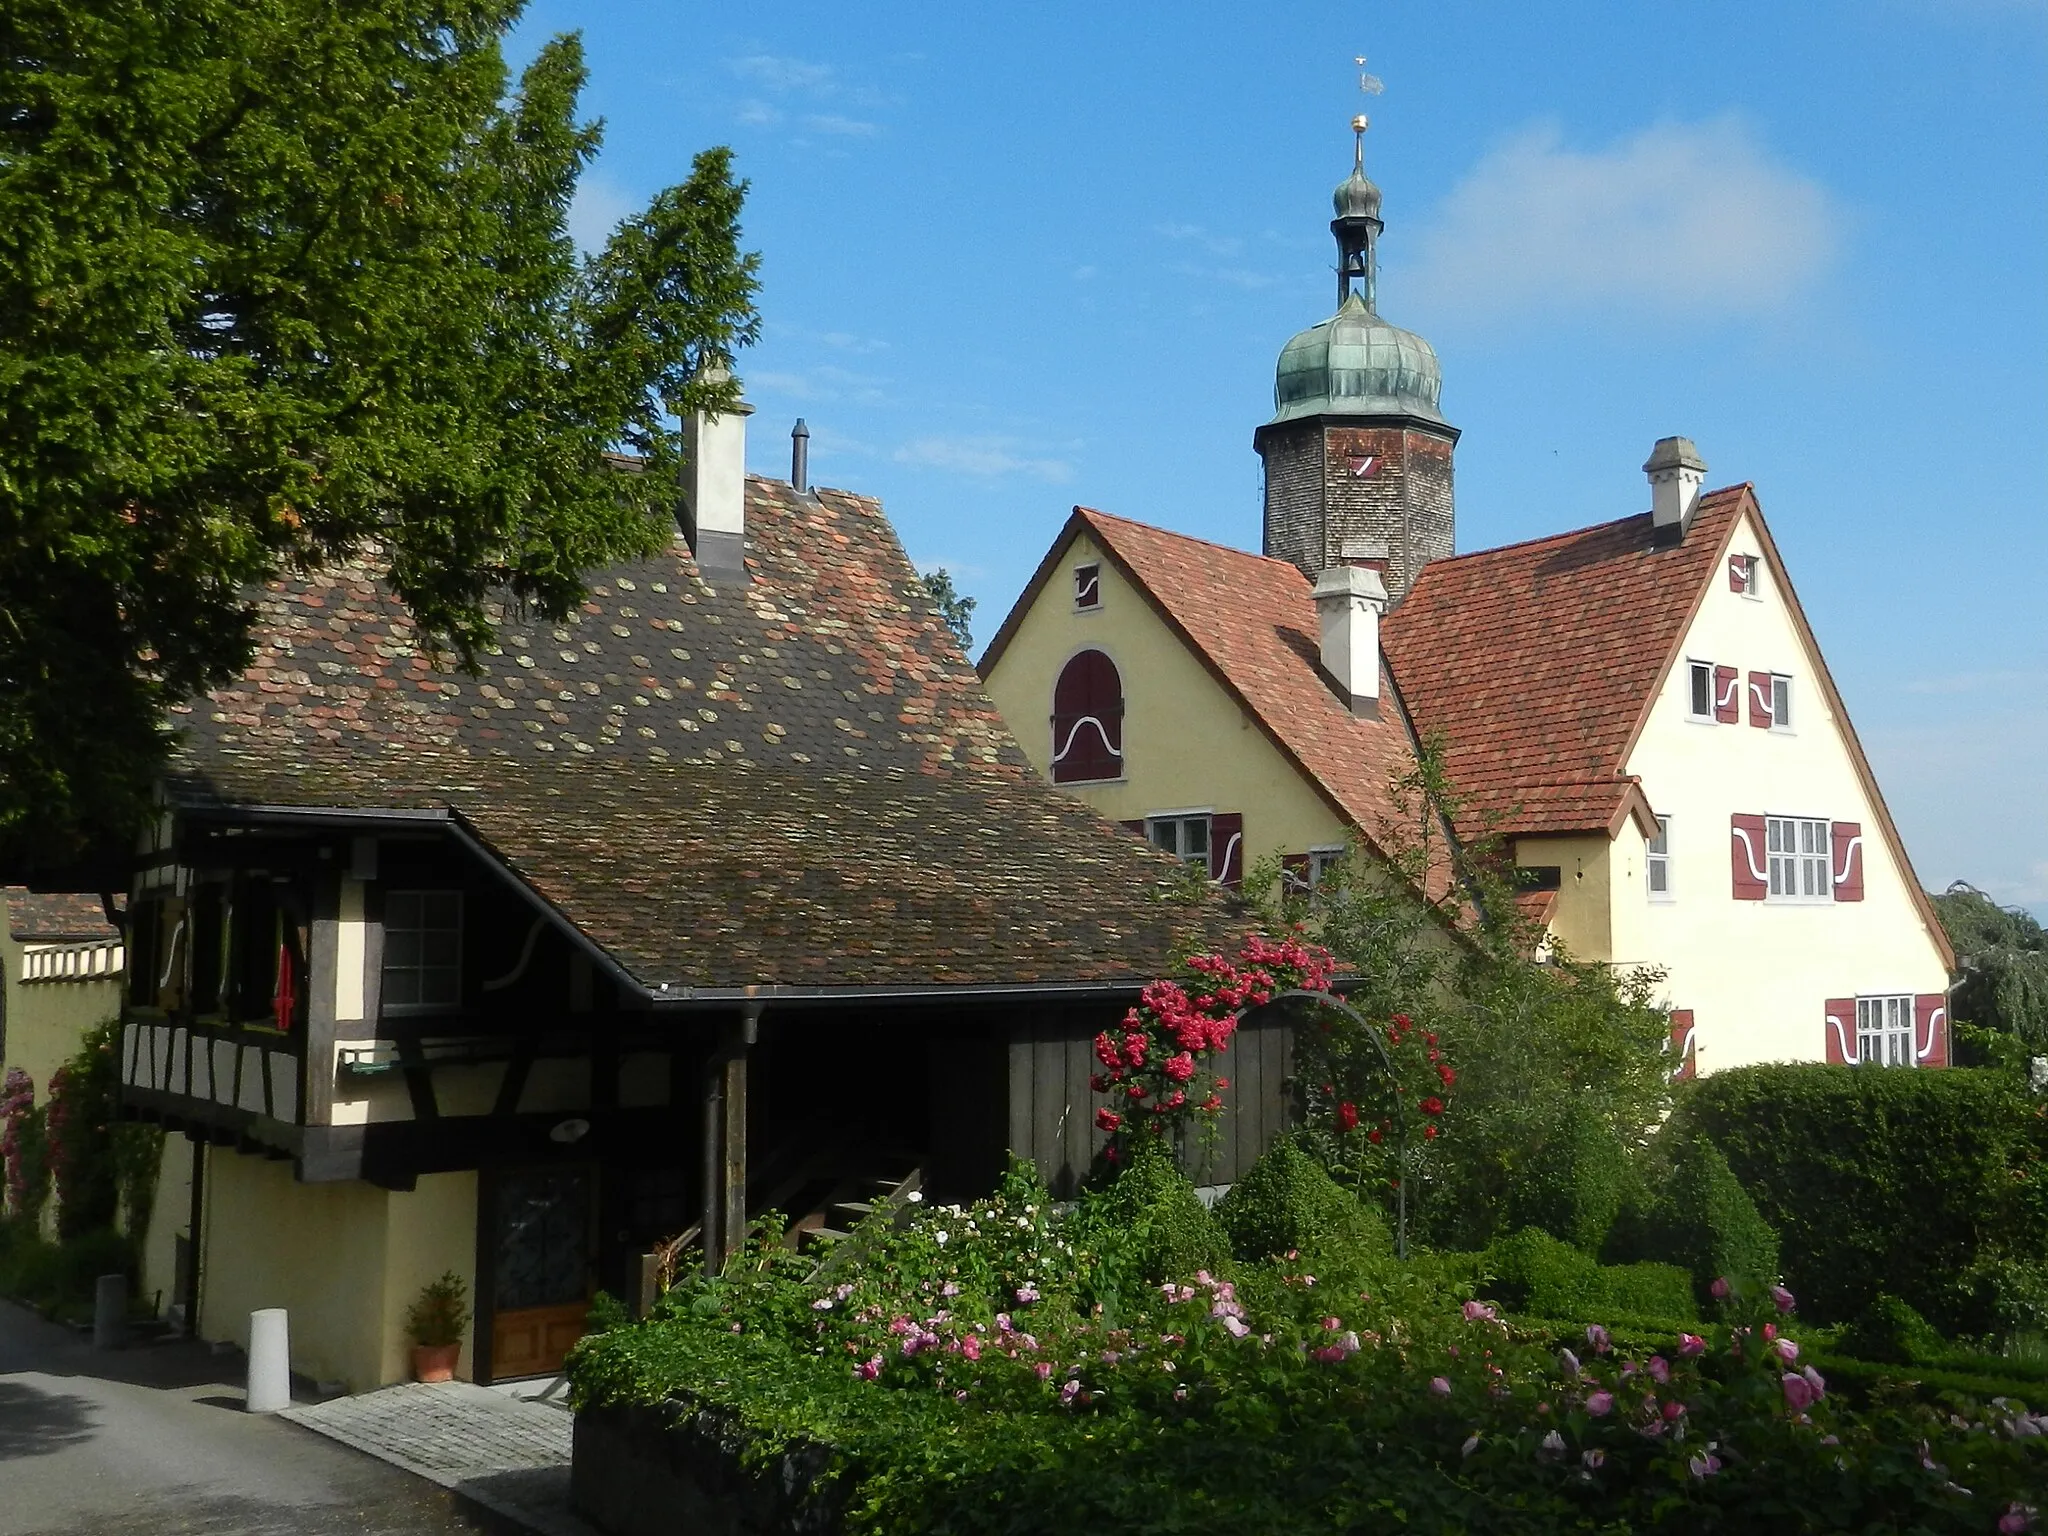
{"points": [[1883, 1181], [1532, 1272], [1286, 1201]]}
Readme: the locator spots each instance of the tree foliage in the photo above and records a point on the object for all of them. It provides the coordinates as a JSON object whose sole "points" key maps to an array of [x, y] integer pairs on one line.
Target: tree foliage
{"points": [[955, 609], [283, 280], [2003, 956]]}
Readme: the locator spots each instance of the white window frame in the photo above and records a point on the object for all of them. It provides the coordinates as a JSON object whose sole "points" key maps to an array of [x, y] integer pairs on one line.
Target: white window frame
{"points": [[1321, 860], [446, 974], [1751, 587], [1180, 822], [1693, 669], [1096, 606], [1781, 702], [1887, 1030], [1657, 861], [1793, 866]]}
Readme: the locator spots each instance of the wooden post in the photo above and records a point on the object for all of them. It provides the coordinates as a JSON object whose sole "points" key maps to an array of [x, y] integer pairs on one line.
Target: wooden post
{"points": [[725, 1140]]}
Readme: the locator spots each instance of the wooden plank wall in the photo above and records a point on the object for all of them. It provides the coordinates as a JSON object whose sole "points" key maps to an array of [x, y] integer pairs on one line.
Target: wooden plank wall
{"points": [[1052, 1108]]}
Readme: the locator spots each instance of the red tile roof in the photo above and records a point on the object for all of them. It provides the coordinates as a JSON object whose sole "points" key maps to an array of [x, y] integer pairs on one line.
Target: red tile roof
{"points": [[55, 917], [1536, 662], [1252, 621]]}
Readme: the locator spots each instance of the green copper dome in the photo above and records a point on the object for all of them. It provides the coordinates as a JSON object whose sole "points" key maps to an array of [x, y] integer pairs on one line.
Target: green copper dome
{"points": [[1356, 197], [1356, 364]]}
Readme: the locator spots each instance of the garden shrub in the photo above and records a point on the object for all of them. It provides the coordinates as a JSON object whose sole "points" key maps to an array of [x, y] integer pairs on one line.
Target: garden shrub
{"points": [[2000, 1298], [1883, 1181], [1151, 1224], [61, 1278], [1534, 1273], [1648, 1290], [1572, 1187], [1699, 1218], [1889, 1330], [1286, 1202]]}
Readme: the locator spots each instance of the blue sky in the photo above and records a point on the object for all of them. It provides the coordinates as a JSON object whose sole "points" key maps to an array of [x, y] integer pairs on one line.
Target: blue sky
{"points": [[1019, 258]]}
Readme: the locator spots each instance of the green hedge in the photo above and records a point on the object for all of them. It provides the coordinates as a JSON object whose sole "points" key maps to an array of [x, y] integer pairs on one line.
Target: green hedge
{"points": [[1883, 1181], [1573, 1188], [1699, 1218], [1287, 1202], [1532, 1272]]}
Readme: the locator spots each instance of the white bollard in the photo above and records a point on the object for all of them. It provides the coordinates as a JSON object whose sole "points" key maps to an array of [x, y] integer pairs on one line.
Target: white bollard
{"points": [[270, 1362], [110, 1312]]}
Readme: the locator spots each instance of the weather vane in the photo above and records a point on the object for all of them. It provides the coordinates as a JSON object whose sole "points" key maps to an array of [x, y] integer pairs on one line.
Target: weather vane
{"points": [[1368, 85]]}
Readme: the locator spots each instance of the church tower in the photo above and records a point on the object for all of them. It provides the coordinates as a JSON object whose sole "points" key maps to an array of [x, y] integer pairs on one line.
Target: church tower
{"points": [[1358, 456]]}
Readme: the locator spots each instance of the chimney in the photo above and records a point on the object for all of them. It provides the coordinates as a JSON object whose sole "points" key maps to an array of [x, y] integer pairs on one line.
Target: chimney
{"points": [[715, 486], [800, 457], [1349, 602], [1676, 472]]}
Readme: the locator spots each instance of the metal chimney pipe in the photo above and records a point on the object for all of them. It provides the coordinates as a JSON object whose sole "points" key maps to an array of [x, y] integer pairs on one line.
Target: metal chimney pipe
{"points": [[800, 456]]}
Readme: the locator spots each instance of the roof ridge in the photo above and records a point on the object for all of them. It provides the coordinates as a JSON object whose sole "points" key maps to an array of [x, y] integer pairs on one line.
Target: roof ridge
{"points": [[1573, 533], [1187, 538]]}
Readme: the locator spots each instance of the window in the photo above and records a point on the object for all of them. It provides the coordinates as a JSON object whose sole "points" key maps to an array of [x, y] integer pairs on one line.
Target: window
{"points": [[1088, 721], [1701, 704], [1087, 587], [422, 949], [1657, 861], [1781, 702], [1799, 852], [1186, 837], [1321, 861], [1742, 575], [1884, 1031]]}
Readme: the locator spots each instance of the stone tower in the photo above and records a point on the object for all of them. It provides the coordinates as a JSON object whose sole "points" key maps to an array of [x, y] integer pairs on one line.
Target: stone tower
{"points": [[1357, 456]]}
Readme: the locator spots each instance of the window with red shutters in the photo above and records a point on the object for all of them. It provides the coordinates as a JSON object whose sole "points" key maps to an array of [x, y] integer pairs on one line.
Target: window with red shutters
{"points": [[1930, 1029], [1746, 857], [1727, 695], [1296, 872], [1226, 848], [1135, 827], [1839, 1028], [1847, 863], [1088, 721], [1682, 1046], [1760, 700]]}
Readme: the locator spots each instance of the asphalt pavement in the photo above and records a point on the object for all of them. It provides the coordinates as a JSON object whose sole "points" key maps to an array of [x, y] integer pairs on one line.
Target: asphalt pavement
{"points": [[152, 1441]]}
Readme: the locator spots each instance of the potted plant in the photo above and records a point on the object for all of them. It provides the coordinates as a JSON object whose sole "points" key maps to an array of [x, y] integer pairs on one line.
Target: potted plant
{"points": [[437, 1322]]}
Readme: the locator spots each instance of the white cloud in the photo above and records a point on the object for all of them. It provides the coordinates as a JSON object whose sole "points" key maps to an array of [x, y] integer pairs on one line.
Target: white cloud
{"points": [[1686, 219], [776, 72], [758, 114], [986, 457], [596, 210], [845, 127], [823, 384]]}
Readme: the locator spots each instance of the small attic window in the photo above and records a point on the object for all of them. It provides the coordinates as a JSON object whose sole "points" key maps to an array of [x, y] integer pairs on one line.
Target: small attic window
{"points": [[1742, 576], [1087, 587]]}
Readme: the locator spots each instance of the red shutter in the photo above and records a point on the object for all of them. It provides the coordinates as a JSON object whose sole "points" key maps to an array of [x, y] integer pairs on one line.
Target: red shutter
{"points": [[1294, 871], [1848, 864], [1760, 700], [1226, 848], [1727, 695], [1682, 1046], [1930, 1029], [1088, 721], [1738, 573], [1747, 857], [1840, 1030], [1135, 828]]}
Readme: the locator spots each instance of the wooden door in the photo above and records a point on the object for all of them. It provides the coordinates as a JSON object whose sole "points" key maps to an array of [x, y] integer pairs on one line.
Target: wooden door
{"points": [[540, 1269]]}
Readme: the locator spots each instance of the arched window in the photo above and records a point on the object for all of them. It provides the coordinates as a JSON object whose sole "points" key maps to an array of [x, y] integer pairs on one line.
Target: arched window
{"points": [[1088, 721]]}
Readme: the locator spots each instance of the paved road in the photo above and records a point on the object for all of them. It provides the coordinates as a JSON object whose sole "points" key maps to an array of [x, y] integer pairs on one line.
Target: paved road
{"points": [[152, 1441]]}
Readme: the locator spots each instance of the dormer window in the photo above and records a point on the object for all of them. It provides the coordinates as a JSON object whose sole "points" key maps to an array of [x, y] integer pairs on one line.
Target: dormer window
{"points": [[1087, 587], [1742, 575]]}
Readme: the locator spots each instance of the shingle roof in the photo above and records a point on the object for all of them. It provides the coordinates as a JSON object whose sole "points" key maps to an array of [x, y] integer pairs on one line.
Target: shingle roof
{"points": [[1252, 621], [1536, 661], [36, 917], [795, 781]]}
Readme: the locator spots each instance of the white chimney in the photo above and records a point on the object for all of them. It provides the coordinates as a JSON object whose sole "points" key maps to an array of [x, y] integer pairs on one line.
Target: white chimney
{"points": [[1676, 473], [1349, 602], [715, 486]]}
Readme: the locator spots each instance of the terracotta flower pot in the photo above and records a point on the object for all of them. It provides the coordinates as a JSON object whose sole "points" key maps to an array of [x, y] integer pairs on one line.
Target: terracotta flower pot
{"points": [[435, 1362]]}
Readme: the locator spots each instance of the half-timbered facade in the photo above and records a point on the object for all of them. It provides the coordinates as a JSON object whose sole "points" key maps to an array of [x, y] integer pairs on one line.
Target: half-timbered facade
{"points": [[730, 892]]}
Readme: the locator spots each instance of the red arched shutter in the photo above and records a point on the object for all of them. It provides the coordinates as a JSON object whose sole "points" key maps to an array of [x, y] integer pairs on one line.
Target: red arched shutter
{"points": [[1930, 1029], [1840, 1029], [1727, 695], [1088, 721], [1747, 858], [1848, 852]]}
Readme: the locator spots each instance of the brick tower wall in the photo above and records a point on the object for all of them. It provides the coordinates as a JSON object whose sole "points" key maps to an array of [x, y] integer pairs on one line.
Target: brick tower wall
{"points": [[1294, 494], [1329, 485]]}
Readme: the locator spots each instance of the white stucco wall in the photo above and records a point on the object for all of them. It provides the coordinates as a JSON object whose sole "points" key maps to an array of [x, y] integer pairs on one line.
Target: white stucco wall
{"points": [[1757, 973]]}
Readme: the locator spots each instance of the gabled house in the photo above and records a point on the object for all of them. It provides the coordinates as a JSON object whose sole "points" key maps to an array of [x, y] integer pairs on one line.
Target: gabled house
{"points": [[1639, 708], [731, 892]]}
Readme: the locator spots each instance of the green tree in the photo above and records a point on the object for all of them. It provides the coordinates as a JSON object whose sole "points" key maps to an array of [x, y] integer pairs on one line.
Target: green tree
{"points": [[955, 609], [2002, 954], [283, 280]]}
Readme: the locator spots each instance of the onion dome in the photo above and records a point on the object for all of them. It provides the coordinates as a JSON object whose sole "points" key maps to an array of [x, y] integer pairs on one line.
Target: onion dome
{"points": [[1356, 364]]}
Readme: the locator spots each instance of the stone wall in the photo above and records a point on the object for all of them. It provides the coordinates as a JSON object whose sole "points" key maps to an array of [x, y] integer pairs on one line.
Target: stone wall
{"points": [[1330, 484]]}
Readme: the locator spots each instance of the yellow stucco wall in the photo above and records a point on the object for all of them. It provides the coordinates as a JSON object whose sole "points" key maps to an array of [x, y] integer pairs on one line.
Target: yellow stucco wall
{"points": [[1188, 746], [170, 1213], [1583, 918], [46, 1018], [1756, 974], [345, 1260]]}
